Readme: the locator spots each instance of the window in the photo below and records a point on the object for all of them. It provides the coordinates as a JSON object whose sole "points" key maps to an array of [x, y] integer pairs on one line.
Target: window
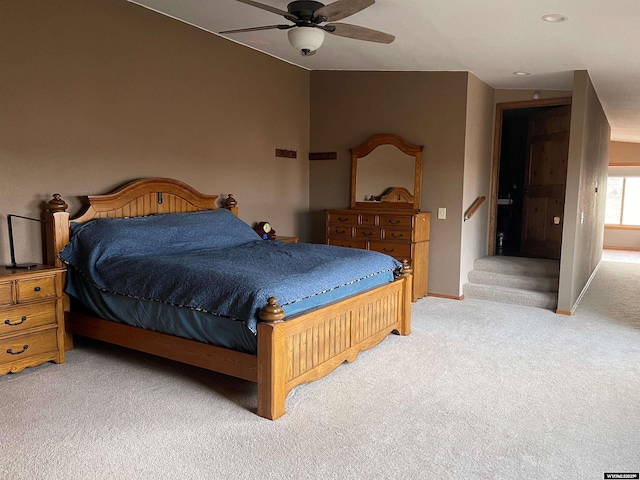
{"points": [[623, 201]]}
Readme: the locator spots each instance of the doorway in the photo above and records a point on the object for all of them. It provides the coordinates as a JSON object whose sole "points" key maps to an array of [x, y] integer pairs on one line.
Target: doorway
{"points": [[514, 186]]}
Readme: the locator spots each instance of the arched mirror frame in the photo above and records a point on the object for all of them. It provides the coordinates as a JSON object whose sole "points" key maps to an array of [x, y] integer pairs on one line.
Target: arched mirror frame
{"points": [[366, 148]]}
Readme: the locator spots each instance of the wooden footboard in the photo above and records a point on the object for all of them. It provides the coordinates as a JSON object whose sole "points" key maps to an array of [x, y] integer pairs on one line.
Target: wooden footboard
{"points": [[301, 349], [311, 345]]}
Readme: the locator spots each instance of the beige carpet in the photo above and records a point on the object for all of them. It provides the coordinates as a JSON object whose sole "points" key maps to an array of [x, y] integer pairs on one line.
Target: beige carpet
{"points": [[478, 391]]}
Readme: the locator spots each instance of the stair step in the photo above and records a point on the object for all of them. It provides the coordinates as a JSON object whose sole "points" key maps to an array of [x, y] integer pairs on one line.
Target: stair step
{"points": [[534, 267], [524, 282], [514, 296]]}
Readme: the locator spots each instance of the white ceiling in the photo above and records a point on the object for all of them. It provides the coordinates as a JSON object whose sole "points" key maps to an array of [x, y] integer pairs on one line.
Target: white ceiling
{"points": [[490, 38]]}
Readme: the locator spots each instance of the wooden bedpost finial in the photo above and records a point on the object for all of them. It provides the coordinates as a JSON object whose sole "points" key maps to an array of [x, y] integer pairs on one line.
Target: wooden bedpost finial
{"points": [[406, 267], [229, 202], [56, 204], [271, 312]]}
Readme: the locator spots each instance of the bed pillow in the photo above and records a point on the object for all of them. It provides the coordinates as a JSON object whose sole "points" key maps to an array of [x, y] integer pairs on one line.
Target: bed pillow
{"points": [[162, 234]]}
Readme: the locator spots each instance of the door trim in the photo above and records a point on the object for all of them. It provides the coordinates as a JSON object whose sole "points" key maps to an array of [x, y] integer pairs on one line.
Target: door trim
{"points": [[495, 166]]}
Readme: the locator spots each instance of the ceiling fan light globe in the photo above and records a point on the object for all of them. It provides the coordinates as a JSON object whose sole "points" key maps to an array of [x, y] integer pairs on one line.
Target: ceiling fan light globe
{"points": [[306, 39]]}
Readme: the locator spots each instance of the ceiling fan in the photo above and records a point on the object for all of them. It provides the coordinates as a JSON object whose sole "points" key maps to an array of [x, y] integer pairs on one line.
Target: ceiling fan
{"points": [[306, 34]]}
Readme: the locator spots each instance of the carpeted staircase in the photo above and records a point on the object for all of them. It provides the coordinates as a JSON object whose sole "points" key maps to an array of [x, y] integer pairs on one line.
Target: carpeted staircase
{"points": [[516, 280]]}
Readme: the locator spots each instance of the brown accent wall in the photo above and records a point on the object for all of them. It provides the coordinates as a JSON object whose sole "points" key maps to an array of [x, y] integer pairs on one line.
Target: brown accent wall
{"points": [[582, 234], [96, 93], [425, 108]]}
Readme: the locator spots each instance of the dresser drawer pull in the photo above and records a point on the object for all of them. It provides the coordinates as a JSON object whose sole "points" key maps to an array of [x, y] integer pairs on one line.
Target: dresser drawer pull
{"points": [[388, 250], [343, 219], [36, 289], [11, 352], [341, 231], [8, 322], [367, 234], [400, 235], [394, 222]]}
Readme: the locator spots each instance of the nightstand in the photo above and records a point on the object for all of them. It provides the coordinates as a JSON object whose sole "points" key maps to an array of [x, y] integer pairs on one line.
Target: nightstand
{"points": [[31, 317], [285, 239]]}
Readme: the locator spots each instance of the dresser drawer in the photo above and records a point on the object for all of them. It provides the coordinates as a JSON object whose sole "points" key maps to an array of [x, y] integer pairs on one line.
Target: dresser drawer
{"points": [[5, 293], [397, 235], [35, 288], [368, 219], [398, 250], [340, 231], [347, 242], [348, 218], [25, 346], [368, 233], [17, 319], [395, 221]]}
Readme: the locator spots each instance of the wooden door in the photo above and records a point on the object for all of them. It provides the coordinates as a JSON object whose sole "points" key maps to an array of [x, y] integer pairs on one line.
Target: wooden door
{"points": [[545, 182]]}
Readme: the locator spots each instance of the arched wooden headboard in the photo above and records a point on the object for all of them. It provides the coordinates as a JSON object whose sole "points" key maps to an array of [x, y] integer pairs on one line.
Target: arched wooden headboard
{"points": [[139, 198]]}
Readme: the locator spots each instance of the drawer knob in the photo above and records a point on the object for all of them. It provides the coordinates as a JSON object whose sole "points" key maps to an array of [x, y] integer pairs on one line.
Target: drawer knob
{"points": [[341, 231], [367, 234], [394, 222], [11, 352], [8, 322], [36, 289], [343, 219], [400, 235], [389, 250]]}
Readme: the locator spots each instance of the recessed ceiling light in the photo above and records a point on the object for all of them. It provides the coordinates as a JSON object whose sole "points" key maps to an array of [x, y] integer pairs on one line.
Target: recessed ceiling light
{"points": [[555, 18], [521, 74]]}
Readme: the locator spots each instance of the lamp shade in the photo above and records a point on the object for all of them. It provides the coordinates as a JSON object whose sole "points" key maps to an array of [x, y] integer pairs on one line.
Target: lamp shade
{"points": [[306, 39]]}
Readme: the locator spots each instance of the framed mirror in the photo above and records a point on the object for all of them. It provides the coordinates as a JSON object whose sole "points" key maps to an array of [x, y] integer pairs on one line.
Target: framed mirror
{"points": [[386, 172]]}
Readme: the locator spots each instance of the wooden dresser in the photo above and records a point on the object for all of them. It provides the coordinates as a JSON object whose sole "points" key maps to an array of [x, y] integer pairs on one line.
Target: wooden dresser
{"points": [[401, 234], [31, 317]]}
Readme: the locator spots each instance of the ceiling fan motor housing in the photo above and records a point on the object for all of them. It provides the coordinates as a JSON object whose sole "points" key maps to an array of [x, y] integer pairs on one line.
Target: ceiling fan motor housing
{"points": [[305, 11]]}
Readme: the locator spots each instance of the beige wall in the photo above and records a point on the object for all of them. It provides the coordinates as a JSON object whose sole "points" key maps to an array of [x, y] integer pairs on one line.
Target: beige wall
{"points": [[425, 108], [582, 237], [623, 153], [96, 93], [477, 173]]}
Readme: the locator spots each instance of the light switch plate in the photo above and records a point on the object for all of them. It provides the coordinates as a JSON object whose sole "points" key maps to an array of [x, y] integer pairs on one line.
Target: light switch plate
{"points": [[442, 213]]}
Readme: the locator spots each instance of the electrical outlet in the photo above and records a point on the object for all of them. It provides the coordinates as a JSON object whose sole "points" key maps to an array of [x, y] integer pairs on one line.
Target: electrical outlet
{"points": [[442, 214]]}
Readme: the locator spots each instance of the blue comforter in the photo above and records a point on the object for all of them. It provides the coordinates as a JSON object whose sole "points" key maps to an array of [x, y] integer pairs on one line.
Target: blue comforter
{"points": [[212, 261]]}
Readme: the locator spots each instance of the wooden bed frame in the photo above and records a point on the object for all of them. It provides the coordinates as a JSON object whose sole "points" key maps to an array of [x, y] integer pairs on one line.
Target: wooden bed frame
{"points": [[302, 348]]}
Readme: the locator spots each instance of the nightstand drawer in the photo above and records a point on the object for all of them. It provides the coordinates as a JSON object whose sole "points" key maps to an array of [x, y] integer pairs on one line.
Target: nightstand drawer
{"points": [[35, 288], [24, 346], [397, 250], [5, 293], [14, 320]]}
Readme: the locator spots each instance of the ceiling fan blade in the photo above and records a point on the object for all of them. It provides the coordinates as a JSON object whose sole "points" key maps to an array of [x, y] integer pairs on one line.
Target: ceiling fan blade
{"points": [[271, 9], [359, 33], [342, 9], [255, 29]]}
